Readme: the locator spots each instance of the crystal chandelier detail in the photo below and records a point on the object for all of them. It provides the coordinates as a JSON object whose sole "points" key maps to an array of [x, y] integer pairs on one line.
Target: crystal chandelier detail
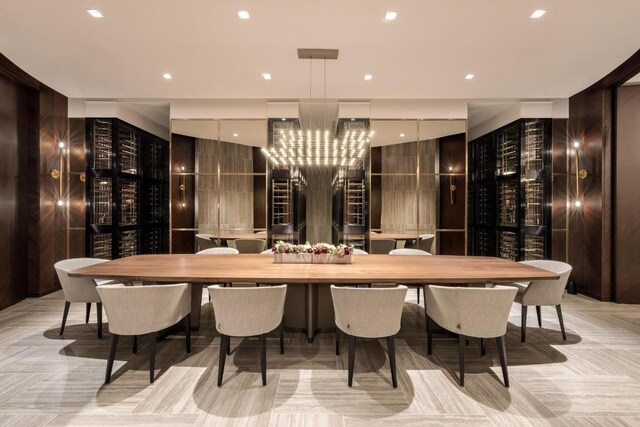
{"points": [[318, 146]]}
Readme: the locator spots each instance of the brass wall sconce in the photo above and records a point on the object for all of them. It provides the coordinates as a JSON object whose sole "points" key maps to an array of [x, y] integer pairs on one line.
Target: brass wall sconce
{"points": [[182, 188], [54, 174], [581, 174], [452, 186]]}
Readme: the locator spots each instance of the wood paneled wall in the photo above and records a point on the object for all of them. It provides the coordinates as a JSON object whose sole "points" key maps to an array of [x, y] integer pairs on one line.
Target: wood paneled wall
{"points": [[183, 149], [627, 196], [560, 182], [451, 216], [319, 200]]}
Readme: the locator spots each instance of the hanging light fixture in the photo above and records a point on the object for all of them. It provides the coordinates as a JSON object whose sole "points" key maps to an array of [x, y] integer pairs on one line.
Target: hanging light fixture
{"points": [[320, 146]]}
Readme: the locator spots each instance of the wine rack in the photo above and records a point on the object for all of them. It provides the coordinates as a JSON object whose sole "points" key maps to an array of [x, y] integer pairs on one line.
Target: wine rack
{"points": [[281, 201], [354, 194], [127, 190], [509, 190]]}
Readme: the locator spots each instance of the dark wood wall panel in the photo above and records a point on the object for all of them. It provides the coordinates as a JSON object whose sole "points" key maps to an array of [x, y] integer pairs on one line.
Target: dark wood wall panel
{"points": [[627, 196], [560, 182], [182, 155], [452, 153], [76, 190]]}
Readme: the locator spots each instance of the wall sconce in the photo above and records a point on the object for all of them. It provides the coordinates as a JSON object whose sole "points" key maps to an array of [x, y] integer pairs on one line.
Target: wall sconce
{"points": [[452, 186], [182, 188], [581, 174]]}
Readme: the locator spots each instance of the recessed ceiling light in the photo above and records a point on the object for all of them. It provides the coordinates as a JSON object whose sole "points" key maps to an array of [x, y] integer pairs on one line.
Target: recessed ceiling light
{"points": [[266, 76], [368, 77], [538, 14], [167, 76], [402, 135], [469, 76], [235, 135], [243, 14], [390, 15], [95, 13]]}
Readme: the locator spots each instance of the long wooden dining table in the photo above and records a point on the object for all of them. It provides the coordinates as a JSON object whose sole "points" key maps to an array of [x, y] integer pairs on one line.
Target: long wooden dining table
{"points": [[309, 283]]}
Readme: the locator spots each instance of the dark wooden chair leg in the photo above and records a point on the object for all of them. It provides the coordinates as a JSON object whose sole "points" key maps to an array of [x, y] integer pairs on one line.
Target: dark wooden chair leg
{"points": [[228, 345], [152, 357], [135, 344], [539, 314], [263, 358], [391, 348], [86, 319], [483, 348], [282, 331], [502, 352], [221, 358], [429, 336], [559, 310], [99, 315], [337, 341], [352, 357], [67, 304], [112, 355], [418, 292], [187, 331], [461, 345], [426, 316], [523, 324]]}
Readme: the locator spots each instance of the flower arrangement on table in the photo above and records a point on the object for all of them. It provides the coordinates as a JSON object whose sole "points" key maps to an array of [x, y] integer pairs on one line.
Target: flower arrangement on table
{"points": [[308, 253]]}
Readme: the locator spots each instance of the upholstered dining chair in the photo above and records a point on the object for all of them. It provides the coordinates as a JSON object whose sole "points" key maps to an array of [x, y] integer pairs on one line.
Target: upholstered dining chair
{"points": [[145, 310], [471, 312], [368, 313], [204, 241], [543, 292], [266, 252], [79, 289], [219, 251], [250, 246], [424, 243], [246, 312], [381, 246], [356, 251], [407, 251]]}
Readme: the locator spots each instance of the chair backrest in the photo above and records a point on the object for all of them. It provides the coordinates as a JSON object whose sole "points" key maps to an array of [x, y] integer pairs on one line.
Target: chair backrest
{"points": [[138, 310], [219, 251], [475, 312], [547, 292], [245, 312], [266, 252], [250, 246], [425, 242], [368, 312], [204, 241], [381, 246], [356, 251], [77, 289], [408, 252]]}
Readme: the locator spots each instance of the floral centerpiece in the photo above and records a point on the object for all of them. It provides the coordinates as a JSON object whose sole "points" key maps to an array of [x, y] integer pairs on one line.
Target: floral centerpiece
{"points": [[319, 253]]}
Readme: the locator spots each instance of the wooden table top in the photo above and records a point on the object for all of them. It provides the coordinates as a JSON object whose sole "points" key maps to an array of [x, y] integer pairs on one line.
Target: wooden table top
{"points": [[364, 269], [259, 235]]}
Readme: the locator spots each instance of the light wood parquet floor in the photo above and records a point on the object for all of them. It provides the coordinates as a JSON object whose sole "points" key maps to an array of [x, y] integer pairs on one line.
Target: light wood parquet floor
{"points": [[592, 379]]}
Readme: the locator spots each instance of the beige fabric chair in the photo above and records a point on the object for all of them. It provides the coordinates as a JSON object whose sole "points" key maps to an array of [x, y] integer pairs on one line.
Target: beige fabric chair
{"points": [[204, 241], [543, 292], [266, 252], [357, 251], [219, 251], [471, 312], [425, 243], [409, 251], [381, 246], [145, 310], [368, 313], [250, 246], [246, 312], [79, 289]]}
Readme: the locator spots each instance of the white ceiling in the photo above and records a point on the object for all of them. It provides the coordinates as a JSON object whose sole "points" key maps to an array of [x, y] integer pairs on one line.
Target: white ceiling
{"points": [[424, 54]]}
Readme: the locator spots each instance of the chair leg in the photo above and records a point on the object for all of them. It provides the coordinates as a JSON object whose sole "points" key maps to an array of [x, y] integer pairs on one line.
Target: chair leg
{"points": [[99, 314], [429, 336], [461, 345], [391, 348], [523, 327], [352, 357], [135, 344], [228, 345], [86, 319], [187, 331], [418, 292], [263, 358], [502, 352], [483, 348], [282, 331], [152, 357], [112, 355], [67, 304], [224, 339], [426, 316], [337, 341], [559, 310], [539, 314]]}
